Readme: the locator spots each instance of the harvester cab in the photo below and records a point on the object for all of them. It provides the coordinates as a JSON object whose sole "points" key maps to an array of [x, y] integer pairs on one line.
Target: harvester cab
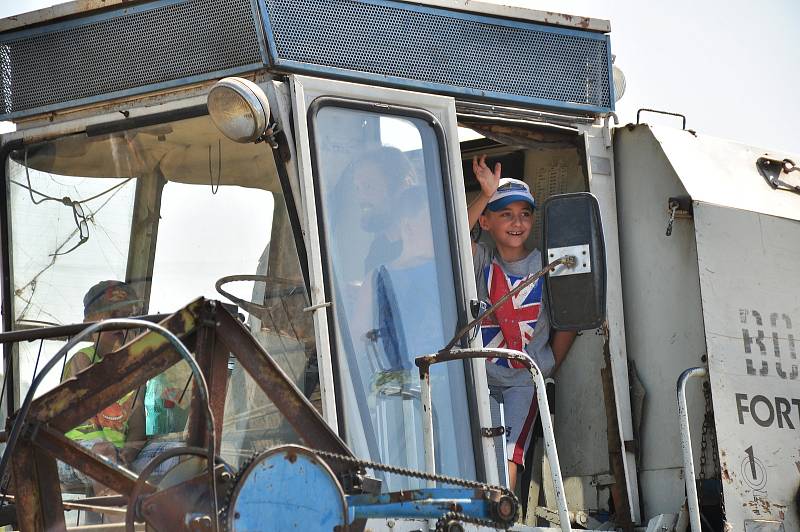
{"points": [[308, 163]]}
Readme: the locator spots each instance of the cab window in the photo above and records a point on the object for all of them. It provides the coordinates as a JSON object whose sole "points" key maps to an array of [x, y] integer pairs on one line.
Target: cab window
{"points": [[389, 273]]}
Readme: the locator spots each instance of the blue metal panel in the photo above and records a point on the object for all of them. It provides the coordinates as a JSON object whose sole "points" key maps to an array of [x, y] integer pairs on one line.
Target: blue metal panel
{"points": [[430, 503], [126, 51], [130, 92], [167, 43], [432, 49], [287, 488]]}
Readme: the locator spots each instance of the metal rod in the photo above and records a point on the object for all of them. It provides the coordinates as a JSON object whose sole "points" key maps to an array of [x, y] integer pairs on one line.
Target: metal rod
{"points": [[61, 331], [424, 363], [686, 445], [429, 447], [567, 260]]}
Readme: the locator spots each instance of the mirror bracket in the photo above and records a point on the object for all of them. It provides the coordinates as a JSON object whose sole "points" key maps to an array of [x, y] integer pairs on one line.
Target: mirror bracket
{"points": [[583, 259]]}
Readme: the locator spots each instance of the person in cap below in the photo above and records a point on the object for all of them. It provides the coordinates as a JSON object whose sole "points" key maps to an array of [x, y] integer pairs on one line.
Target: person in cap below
{"points": [[504, 209], [116, 432]]}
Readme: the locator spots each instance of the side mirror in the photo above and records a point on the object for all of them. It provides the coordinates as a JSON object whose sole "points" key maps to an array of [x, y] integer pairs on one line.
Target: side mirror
{"points": [[576, 297]]}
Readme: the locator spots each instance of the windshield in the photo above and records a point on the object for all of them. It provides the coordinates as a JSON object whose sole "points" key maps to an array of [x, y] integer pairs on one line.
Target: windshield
{"points": [[169, 209]]}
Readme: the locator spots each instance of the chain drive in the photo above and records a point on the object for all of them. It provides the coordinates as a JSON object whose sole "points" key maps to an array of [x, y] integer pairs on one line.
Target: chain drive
{"points": [[366, 464], [441, 524]]}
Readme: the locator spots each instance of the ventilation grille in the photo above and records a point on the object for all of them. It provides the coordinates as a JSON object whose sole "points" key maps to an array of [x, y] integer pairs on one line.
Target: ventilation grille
{"points": [[125, 51], [423, 47]]}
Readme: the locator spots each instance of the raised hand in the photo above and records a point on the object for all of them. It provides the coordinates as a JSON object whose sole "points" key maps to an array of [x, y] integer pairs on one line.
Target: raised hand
{"points": [[489, 179]]}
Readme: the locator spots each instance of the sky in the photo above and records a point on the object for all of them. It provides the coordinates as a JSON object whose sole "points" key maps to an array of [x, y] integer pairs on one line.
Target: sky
{"points": [[730, 66]]}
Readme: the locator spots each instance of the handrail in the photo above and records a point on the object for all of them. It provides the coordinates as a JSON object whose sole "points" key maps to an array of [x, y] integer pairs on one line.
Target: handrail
{"points": [[686, 445], [424, 362]]}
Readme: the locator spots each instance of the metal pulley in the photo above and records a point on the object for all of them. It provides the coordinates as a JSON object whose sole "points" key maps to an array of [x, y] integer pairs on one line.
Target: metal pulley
{"points": [[286, 488]]}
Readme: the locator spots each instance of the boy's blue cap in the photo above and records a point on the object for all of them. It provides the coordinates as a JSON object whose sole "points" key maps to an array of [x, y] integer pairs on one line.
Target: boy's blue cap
{"points": [[508, 191]]}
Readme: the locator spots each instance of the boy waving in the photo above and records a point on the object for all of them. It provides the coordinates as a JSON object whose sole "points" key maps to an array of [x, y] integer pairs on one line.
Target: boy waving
{"points": [[505, 211]]}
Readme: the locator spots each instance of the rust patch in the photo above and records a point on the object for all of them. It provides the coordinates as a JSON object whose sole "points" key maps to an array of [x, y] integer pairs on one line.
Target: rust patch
{"points": [[401, 496], [455, 507], [760, 505], [291, 456], [725, 475]]}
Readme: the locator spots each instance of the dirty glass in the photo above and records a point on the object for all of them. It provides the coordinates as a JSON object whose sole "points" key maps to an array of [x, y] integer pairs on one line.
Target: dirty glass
{"points": [[170, 209], [392, 283]]}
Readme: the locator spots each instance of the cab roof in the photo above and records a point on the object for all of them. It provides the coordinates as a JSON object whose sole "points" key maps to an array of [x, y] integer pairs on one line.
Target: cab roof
{"points": [[82, 7]]}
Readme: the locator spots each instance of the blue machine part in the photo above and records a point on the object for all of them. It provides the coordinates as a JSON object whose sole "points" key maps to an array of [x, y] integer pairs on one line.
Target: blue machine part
{"points": [[286, 488], [430, 503], [290, 488]]}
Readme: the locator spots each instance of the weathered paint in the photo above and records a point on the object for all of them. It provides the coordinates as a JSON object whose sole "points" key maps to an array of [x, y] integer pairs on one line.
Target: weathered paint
{"points": [[663, 314], [126, 369], [749, 264], [299, 490]]}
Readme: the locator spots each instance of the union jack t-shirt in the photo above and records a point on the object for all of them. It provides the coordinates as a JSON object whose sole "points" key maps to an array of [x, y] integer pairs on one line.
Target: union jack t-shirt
{"points": [[513, 324]]}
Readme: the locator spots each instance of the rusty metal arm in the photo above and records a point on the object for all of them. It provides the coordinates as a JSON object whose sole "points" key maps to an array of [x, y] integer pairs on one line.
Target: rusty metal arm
{"points": [[38, 504], [104, 471], [66, 405], [212, 357], [127, 362], [126, 369], [291, 402]]}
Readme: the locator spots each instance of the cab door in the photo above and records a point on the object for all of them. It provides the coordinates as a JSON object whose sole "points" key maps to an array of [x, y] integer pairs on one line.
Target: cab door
{"points": [[384, 211]]}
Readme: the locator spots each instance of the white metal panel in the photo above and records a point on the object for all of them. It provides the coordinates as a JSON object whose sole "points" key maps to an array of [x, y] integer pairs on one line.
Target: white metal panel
{"points": [[308, 216], [749, 268], [306, 90], [724, 173], [663, 314], [603, 187]]}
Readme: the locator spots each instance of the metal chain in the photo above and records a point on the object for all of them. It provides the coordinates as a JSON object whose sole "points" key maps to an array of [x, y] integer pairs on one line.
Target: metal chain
{"points": [[441, 524], [704, 436], [711, 426], [366, 464]]}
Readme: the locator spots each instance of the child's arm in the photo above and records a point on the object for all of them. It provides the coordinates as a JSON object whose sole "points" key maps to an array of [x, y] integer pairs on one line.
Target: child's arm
{"points": [[489, 180], [560, 344]]}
